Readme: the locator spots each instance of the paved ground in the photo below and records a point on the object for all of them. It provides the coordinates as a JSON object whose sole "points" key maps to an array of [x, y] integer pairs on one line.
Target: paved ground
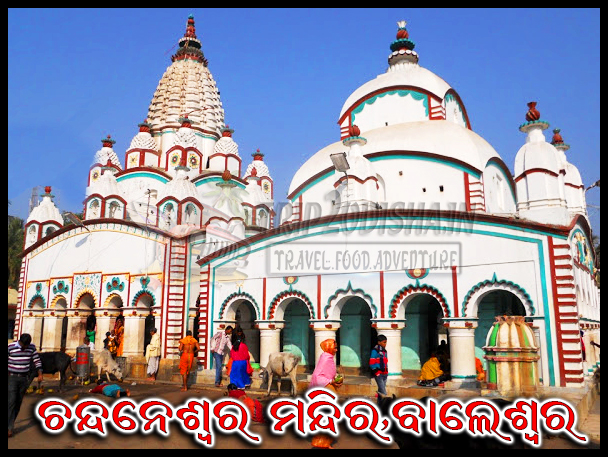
{"points": [[30, 435]]}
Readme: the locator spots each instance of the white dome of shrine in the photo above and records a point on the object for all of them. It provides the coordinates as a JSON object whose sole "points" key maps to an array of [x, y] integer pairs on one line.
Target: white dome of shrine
{"points": [[46, 211]]}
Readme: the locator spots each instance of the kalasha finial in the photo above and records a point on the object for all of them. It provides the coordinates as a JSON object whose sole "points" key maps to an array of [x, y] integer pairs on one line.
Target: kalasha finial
{"points": [[558, 141], [257, 155], [190, 29], [189, 45], [533, 114], [185, 121], [144, 126], [226, 175], [47, 190], [402, 33], [108, 142], [557, 138], [227, 131], [402, 48], [354, 130]]}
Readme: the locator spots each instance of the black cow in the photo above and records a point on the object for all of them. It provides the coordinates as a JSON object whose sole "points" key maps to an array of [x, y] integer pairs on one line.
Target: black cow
{"points": [[53, 362]]}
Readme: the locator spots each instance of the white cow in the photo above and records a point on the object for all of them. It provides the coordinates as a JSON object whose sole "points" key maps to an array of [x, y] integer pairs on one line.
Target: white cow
{"points": [[104, 361], [281, 364]]}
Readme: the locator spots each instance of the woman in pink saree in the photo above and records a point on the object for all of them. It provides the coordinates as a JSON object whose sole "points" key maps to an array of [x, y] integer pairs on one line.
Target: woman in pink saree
{"points": [[324, 375]]}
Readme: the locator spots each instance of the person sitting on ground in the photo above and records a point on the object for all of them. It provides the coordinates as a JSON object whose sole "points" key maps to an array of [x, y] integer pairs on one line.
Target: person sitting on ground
{"points": [[481, 374], [431, 374], [255, 407], [110, 390]]}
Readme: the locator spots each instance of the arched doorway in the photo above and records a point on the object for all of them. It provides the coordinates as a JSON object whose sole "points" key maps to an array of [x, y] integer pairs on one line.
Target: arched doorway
{"points": [[297, 337], [37, 329], [143, 303], [245, 317], [492, 304], [423, 332], [356, 337]]}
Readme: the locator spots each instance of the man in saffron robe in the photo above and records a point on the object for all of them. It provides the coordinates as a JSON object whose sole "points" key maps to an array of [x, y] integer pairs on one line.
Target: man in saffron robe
{"points": [[188, 348]]}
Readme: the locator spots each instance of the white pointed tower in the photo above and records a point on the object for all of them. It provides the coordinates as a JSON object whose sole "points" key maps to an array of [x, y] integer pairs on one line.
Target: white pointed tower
{"points": [[259, 203], [187, 90], [574, 188], [43, 220], [539, 175], [358, 186]]}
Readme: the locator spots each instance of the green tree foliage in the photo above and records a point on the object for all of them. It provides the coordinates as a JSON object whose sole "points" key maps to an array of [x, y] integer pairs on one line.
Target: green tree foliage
{"points": [[15, 248]]}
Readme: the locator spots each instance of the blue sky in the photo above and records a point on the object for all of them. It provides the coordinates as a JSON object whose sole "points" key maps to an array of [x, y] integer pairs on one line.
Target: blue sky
{"points": [[77, 75]]}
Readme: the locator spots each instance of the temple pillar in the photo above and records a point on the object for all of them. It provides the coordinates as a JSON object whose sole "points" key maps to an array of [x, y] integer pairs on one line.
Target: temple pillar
{"points": [[51, 339], [270, 341], [323, 331], [462, 351], [76, 331], [134, 335]]}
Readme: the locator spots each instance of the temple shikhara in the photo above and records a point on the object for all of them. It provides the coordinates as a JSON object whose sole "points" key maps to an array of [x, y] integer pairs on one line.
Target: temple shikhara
{"points": [[410, 225]]}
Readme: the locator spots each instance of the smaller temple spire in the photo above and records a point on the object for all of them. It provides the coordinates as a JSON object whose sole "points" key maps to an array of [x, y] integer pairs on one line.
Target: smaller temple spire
{"points": [[402, 47]]}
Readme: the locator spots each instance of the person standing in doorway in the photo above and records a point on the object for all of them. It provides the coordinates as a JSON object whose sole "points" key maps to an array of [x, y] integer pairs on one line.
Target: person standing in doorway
{"points": [[378, 363], [119, 332], [240, 370], [219, 342], [21, 354], [153, 355]]}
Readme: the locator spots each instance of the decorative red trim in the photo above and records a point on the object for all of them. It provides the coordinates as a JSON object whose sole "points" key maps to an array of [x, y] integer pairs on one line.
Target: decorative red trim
{"points": [[455, 289], [319, 296], [536, 170], [263, 297], [360, 181], [348, 112], [162, 173], [559, 333], [572, 185], [467, 192], [386, 154], [382, 295], [464, 110]]}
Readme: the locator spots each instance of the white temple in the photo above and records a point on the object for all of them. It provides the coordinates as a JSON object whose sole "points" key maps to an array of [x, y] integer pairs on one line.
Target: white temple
{"points": [[421, 233]]}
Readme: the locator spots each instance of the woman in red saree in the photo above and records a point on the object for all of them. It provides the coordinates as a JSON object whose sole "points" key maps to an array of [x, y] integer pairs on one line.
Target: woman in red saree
{"points": [[240, 369]]}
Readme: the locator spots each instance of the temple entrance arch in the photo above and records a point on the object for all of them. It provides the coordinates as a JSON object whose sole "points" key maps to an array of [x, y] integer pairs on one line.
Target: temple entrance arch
{"points": [[245, 317], [356, 337], [297, 337], [424, 332], [497, 302]]}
